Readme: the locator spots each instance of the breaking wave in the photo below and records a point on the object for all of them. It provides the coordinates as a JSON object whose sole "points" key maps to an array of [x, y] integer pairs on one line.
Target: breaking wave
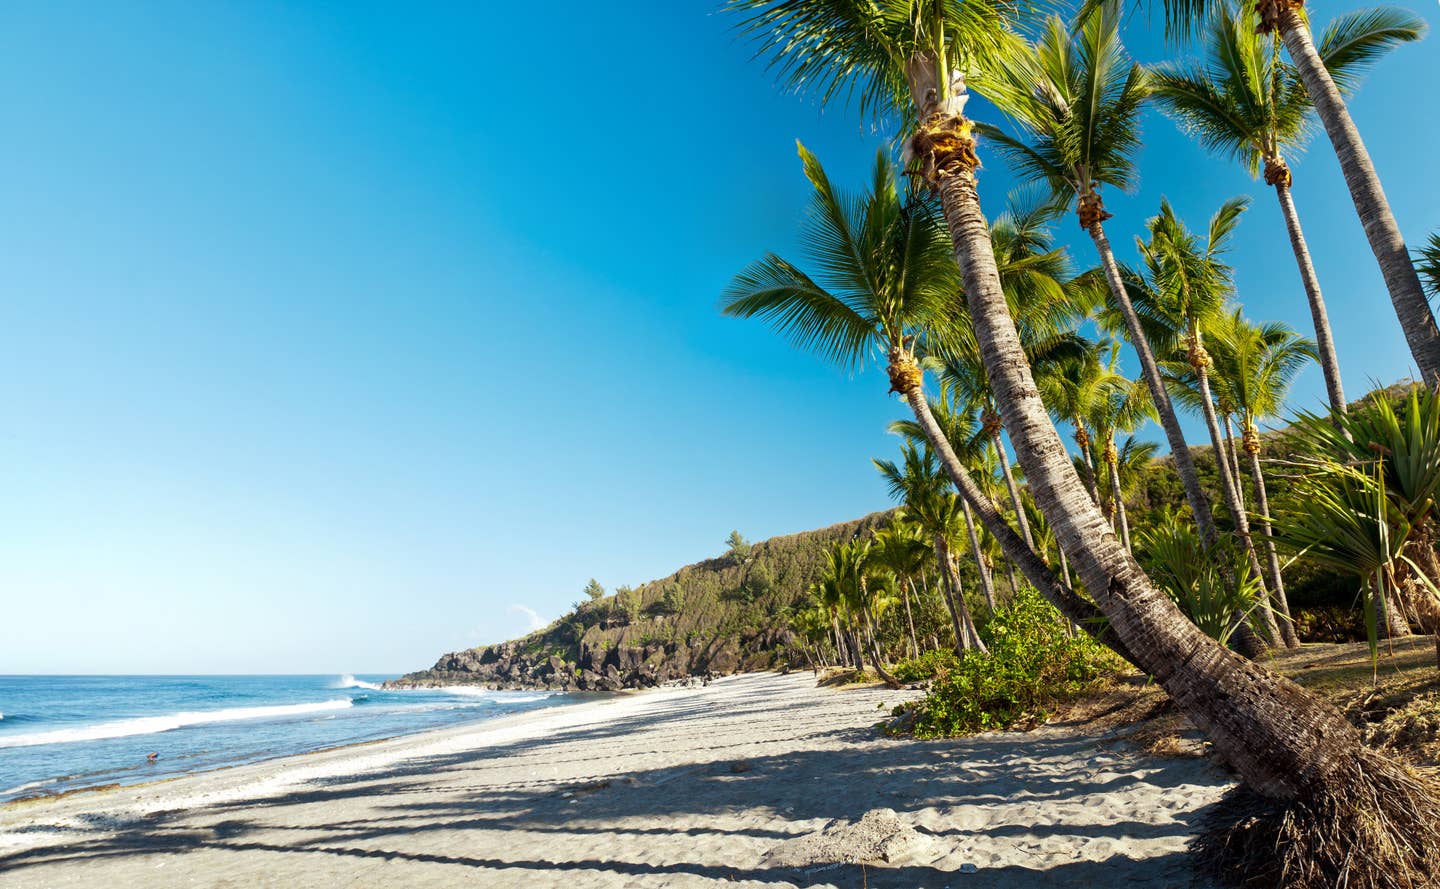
{"points": [[149, 725]]}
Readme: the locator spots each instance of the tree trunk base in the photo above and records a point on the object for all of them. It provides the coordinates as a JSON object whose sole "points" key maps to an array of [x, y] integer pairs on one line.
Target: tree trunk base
{"points": [[1370, 823]]}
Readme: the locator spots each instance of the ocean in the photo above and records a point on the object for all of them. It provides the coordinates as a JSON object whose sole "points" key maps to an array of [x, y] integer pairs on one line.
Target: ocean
{"points": [[60, 733]]}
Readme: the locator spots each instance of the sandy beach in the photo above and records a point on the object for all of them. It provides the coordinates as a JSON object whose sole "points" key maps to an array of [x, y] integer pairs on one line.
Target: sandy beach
{"points": [[760, 780]]}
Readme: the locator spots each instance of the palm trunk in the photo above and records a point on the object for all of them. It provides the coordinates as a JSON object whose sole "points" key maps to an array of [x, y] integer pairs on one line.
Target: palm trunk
{"points": [[1035, 569], [1228, 487], [952, 571], [987, 581], [1092, 482], [1233, 455], [1324, 341], [947, 591], [1015, 501], [1119, 504], [1281, 739], [857, 654], [875, 653], [1381, 230], [1277, 581], [1179, 450], [1010, 575], [909, 617], [1077, 610]]}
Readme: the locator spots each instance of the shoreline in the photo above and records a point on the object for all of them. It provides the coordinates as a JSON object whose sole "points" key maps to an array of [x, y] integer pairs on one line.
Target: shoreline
{"points": [[112, 779], [764, 779], [279, 762]]}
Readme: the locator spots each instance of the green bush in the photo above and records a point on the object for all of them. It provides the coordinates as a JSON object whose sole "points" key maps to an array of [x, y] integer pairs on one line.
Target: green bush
{"points": [[1033, 665], [926, 666]]}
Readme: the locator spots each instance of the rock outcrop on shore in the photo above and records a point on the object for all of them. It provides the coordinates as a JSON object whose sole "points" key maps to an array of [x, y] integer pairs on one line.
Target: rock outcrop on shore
{"points": [[724, 615], [626, 664]]}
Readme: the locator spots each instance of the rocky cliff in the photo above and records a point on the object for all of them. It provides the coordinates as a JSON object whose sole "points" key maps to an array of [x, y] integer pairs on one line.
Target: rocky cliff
{"points": [[719, 616]]}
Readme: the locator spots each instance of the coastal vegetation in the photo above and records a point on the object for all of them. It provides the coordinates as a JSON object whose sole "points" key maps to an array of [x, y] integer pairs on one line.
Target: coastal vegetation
{"points": [[1329, 809], [1017, 574]]}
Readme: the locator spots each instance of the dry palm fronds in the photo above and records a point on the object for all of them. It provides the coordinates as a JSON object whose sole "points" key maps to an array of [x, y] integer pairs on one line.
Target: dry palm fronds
{"points": [[1370, 824]]}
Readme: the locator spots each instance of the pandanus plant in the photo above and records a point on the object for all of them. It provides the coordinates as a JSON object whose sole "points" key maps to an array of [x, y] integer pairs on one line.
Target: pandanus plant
{"points": [[1402, 450], [1428, 264], [1286, 744]]}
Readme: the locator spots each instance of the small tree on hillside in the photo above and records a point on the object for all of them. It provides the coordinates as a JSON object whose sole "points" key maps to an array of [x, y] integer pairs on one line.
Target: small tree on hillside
{"points": [[594, 590]]}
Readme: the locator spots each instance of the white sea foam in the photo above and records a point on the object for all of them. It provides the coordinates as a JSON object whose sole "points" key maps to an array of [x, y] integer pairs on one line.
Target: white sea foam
{"points": [[349, 681], [149, 725], [467, 691], [521, 699]]}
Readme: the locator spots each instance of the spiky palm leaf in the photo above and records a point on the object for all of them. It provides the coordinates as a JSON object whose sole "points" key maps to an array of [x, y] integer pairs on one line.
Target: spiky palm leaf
{"points": [[884, 273], [1077, 99], [1428, 265], [859, 49]]}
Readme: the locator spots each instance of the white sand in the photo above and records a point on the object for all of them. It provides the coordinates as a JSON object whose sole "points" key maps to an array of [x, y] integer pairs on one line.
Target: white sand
{"points": [[761, 780]]}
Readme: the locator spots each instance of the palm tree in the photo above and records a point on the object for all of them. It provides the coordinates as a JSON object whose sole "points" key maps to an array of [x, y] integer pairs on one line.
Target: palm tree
{"points": [[959, 429], [1255, 365], [1284, 742], [1246, 103], [1326, 83], [1325, 87], [902, 550], [921, 485], [1032, 271], [1186, 286], [1078, 98], [1071, 393], [1123, 407], [887, 281]]}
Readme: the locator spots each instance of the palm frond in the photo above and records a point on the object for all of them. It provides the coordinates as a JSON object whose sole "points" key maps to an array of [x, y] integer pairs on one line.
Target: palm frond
{"points": [[1354, 41]]}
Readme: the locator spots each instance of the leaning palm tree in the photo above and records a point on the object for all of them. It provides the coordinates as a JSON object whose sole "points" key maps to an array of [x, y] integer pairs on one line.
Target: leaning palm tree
{"points": [[1033, 272], [1326, 82], [1256, 364], [1284, 742], [887, 281], [1077, 99], [1248, 104]]}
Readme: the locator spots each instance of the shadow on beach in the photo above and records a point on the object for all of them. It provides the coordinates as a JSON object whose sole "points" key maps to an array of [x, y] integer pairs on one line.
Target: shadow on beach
{"points": [[696, 791]]}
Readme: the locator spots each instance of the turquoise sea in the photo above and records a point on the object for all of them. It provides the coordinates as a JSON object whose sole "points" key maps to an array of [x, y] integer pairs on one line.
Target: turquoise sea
{"points": [[60, 733]]}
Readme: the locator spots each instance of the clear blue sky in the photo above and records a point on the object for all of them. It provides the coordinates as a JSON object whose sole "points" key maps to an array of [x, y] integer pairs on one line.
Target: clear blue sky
{"points": [[331, 333]]}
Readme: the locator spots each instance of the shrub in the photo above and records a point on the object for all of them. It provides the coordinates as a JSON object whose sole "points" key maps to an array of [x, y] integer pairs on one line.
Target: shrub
{"points": [[1033, 665], [926, 666]]}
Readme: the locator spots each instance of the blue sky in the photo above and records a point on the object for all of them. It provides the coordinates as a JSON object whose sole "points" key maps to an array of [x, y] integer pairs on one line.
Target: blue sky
{"points": [[332, 335]]}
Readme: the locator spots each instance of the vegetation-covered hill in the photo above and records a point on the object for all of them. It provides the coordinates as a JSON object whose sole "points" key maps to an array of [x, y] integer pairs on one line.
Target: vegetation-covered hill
{"points": [[733, 612], [723, 615]]}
